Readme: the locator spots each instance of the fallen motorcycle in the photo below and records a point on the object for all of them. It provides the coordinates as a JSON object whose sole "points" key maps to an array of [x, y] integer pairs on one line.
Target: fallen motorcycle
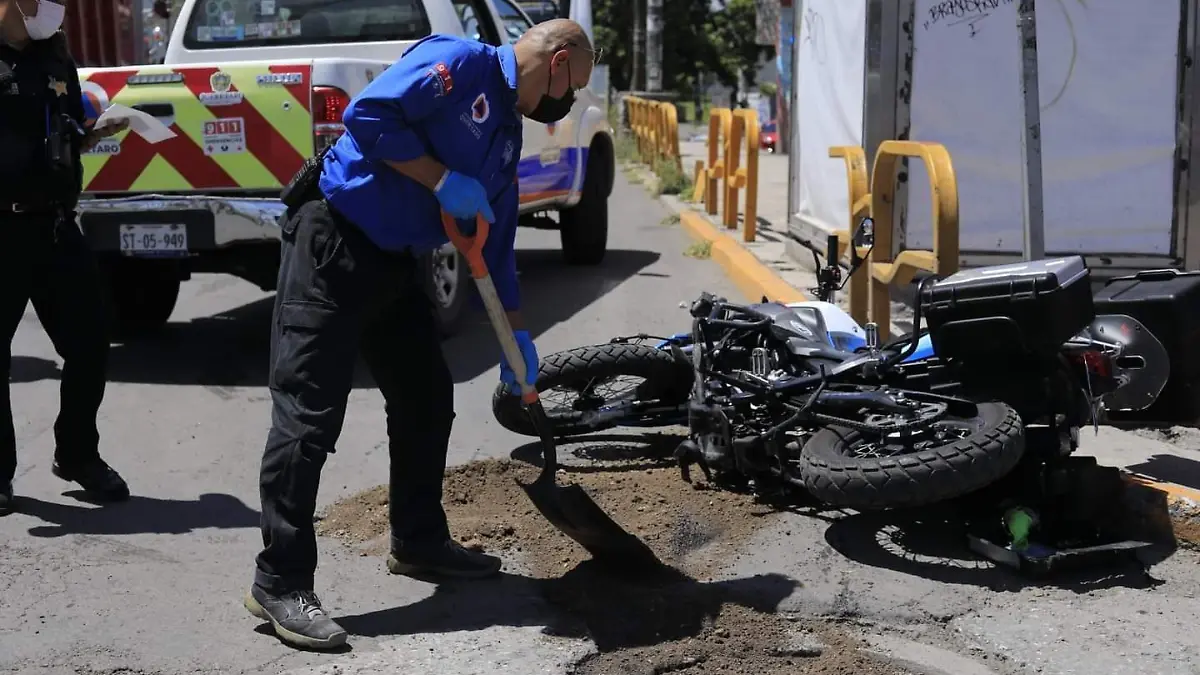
{"points": [[801, 395]]}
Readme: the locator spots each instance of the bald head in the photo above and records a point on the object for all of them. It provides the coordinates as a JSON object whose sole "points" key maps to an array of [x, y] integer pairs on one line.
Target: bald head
{"points": [[554, 58], [550, 35]]}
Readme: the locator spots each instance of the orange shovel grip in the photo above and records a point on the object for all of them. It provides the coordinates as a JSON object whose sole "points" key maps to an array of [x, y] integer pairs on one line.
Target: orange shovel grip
{"points": [[471, 247]]}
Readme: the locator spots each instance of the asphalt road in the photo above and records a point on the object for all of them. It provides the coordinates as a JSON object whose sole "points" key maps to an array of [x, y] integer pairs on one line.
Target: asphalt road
{"points": [[154, 586]]}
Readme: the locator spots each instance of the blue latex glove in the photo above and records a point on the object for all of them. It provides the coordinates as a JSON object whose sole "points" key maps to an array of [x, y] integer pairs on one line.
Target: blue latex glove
{"points": [[529, 352], [463, 197]]}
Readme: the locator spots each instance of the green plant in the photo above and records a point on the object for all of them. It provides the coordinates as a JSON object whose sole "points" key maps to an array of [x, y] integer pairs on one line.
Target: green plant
{"points": [[689, 112], [614, 116], [625, 147], [672, 180], [671, 219], [768, 89], [701, 250]]}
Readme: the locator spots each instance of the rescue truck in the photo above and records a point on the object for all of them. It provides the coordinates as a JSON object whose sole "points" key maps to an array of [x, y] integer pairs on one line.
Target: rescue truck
{"points": [[253, 87]]}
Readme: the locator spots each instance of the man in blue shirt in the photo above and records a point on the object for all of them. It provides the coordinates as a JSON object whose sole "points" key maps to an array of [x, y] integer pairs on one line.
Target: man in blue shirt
{"points": [[438, 131]]}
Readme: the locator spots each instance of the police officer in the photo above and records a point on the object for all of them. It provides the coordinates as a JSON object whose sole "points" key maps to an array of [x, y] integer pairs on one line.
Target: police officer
{"points": [[47, 261], [439, 130]]}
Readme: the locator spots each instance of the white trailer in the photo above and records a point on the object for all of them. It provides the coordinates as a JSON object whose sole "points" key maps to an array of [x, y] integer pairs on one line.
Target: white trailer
{"points": [[1117, 102]]}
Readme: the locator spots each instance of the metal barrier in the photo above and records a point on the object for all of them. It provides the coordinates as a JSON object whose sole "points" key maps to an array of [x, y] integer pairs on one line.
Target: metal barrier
{"points": [[727, 129], [655, 127], [870, 296], [720, 126]]}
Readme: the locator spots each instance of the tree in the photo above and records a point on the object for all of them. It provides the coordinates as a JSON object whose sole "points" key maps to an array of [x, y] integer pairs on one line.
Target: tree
{"points": [[731, 32], [686, 48], [695, 39], [612, 23]]}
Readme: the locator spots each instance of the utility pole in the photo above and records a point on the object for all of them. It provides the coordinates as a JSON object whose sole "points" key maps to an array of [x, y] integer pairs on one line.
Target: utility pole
{"points": [[1031, 137], [654, 45], [635, 77]]}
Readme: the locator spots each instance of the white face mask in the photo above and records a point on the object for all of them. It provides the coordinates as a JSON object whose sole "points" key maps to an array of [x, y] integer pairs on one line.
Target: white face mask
{"points": [[47, 22]]}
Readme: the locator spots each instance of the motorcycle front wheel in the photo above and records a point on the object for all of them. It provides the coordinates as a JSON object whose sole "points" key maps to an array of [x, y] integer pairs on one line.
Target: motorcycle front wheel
{"points": [[948, 458], [580, 387]]}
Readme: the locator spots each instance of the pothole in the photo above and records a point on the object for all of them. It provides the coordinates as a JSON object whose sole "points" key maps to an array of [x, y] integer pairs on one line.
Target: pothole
{"points": [[678, 619]]}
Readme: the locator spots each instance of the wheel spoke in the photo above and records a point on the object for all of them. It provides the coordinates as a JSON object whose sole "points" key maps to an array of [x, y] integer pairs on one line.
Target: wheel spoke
{"points": [[595, 394]]}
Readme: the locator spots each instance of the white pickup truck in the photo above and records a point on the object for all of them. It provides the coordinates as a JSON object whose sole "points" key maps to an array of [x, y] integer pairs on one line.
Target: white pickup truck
{"points": [[253, 87]]}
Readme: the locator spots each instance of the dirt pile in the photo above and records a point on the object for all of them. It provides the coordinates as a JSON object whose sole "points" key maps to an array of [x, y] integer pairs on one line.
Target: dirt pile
{"points": [[674, 620]]}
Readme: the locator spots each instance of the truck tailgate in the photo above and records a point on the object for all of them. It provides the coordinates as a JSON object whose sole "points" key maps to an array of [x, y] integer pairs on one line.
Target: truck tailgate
{"points": [[239, 127]]}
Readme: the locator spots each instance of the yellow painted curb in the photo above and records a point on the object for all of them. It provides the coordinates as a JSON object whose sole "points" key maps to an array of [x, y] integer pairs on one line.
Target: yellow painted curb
{"points": [[1172, 515], [1173, 491], [751, 277]]}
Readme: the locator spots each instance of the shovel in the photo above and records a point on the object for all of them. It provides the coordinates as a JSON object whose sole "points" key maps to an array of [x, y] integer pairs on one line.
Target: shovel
{"points": [[568, 508]]}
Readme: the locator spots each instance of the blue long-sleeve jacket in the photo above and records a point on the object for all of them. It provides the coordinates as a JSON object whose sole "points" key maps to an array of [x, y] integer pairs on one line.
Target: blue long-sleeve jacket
{"points": [[450, 98]]}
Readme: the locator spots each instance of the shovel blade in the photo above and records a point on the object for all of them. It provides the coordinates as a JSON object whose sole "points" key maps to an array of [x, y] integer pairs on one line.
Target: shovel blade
{"points": [[576, 515]]}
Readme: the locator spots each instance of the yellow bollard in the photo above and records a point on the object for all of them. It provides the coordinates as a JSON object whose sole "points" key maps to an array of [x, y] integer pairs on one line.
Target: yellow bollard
{"points": [[670, 135], [874, 195], [744, 127], [720, 124], [655, 128], [699, 182], [943, 259], [859, 199]]}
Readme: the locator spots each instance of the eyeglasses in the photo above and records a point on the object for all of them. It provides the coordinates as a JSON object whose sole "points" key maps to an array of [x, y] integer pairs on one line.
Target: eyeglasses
{"points": [[597, 54]]}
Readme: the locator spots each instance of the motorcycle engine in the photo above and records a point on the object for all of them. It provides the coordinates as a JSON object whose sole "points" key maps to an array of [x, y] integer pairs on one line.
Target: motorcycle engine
{"points": [[716, 451], [764, 365]]}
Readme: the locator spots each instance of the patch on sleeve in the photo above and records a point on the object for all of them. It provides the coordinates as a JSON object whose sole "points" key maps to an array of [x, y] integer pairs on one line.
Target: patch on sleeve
{"points": [[442, 82]]}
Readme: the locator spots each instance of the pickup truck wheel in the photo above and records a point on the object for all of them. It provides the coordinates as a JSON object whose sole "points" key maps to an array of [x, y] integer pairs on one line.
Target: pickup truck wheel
{"points": [[449, 284], [584, 227], [142, 295]]}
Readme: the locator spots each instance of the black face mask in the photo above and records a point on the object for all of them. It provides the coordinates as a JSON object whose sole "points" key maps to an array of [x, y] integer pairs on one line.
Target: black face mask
{"points": [[549, 109]]}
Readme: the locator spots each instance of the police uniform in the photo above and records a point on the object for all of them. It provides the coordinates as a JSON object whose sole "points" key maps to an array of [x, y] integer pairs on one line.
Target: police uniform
{"points": [[349, 281], [47, 261]]}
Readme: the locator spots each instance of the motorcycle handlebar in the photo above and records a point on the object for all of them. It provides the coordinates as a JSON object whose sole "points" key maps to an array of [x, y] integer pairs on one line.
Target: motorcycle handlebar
{"points": [[735, 323], [757, 322]]}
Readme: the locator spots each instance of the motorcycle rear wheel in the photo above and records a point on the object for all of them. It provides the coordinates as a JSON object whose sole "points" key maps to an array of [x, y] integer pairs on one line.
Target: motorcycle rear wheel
{"points": [[960, 456], [592, 367]]}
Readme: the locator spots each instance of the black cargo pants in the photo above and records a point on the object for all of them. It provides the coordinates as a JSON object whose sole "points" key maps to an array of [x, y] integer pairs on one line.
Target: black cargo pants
{"points": [[47, 261], [338, 294]]}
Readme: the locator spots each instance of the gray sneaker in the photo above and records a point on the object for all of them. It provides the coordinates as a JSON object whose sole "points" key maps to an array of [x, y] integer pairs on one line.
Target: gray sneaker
{"points": [[447, 559], [297, 617]]}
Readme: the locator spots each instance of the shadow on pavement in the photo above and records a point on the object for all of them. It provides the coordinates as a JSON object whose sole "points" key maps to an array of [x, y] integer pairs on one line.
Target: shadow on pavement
{"points": [[231, 349], [584, 603], [1170, 468], [139, 515], [619, 452], [32, 369], [934, 547]]}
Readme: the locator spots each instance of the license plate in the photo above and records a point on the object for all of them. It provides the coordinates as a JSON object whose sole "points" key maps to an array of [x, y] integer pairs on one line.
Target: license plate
{"points": [[154, 240]]}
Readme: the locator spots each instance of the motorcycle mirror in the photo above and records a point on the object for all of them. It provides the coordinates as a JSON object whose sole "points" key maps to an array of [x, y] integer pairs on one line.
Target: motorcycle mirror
{"points": [[864, 234], [702, 307]]}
